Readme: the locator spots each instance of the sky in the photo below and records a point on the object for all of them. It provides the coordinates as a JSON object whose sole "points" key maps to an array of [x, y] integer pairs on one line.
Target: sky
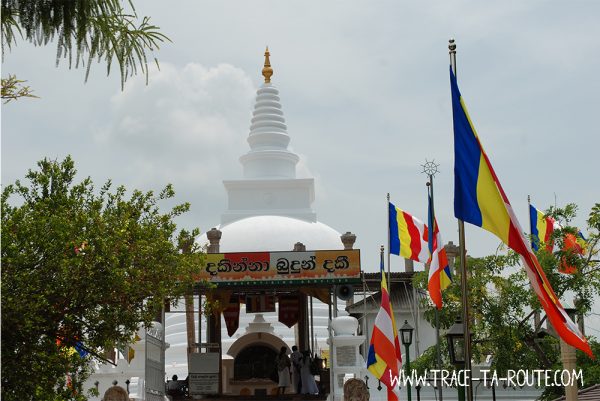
{"points": [[365, 90]]}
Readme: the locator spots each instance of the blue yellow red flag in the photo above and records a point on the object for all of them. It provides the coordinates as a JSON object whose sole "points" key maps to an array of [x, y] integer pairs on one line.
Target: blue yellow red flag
{"points": [[574, 246], [439, 269], [81, 350], [480, 200], [542, 227], [408, 235], [384, 359]]}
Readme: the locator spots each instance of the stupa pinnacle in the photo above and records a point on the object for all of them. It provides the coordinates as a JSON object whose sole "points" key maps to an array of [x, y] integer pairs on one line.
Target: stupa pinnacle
{"points": [[269, 186], [267, 71], [269, 157]]}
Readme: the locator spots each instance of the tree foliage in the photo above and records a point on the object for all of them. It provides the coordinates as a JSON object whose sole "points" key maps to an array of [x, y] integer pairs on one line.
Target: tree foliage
{"points": [[13, 89], [503, 306], [81, 265], [85, 31]]}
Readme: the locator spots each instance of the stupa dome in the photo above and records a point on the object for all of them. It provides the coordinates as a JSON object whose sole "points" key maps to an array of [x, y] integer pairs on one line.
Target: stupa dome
{"points": [[275, 233]]}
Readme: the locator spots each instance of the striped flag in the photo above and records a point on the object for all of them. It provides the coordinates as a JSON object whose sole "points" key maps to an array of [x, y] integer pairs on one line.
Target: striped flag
{"points": [[480, 200], [582, 242], [542, 228], [408, 235], [81, 350], [439, 269], [71, 349], [384, 360], [574, 246]]}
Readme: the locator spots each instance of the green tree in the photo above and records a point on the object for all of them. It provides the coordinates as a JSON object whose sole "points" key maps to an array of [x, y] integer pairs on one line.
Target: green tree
{"points": [[13, 89], [81, 265], [503, 306], [85, 31]]}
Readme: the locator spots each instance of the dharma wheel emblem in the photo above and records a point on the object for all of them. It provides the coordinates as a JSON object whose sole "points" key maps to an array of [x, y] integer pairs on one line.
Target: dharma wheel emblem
{"points": [[430, 167]]}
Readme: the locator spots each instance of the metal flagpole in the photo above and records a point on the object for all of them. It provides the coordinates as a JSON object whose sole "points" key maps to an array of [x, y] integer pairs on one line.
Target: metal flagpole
{"points": [[531, 239], [417, 341], [463, 270], [331, 350], [389, 277], [365, 326], [430, 168]]}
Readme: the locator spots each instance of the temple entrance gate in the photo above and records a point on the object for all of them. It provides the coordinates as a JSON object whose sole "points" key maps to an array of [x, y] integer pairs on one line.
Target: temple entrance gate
{"points": [[262, 280]]}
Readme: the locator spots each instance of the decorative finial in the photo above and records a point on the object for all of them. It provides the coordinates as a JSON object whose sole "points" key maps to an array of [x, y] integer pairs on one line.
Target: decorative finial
{"points": [[430, 168], [267, 71], [451, 45]]}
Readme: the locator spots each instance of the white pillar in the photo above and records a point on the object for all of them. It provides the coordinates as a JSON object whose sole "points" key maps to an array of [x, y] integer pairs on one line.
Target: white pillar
{"points": [[346, 359]]}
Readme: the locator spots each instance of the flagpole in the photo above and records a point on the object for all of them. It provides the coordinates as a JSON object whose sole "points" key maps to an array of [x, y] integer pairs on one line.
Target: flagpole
{"points": [[389, 278], [437, 312], [331, 349], [365, 321], [531, 239], [463, 270]]}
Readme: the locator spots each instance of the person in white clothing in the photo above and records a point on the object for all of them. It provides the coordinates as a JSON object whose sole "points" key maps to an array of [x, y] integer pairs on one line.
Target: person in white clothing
{"points": [[283, 370], [296, 356], [309, 385]]}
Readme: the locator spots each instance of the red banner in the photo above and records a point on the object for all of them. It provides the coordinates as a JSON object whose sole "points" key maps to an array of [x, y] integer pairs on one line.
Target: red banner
{"points": [[260, 303], [289, 309], [231, 314]]}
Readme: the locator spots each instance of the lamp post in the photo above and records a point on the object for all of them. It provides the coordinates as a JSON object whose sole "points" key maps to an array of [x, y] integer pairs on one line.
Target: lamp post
{"points": [[406, 333], [456, 349]]}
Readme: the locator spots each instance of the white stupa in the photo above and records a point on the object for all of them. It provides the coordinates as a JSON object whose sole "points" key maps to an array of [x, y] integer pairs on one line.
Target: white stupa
{"points": [[269, 209]]}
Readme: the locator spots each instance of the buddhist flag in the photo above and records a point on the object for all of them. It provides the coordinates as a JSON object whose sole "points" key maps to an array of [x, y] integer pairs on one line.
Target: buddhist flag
{"points": [[480, 200], [384, 360], [81, 350], [408, 235], [582, 241], [439, 269], [542, 228], [574, 246], [70, 350]]}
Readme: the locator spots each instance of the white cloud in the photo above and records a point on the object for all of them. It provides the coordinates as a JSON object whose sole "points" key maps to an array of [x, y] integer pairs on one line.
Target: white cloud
{"points": [[187, 126]]}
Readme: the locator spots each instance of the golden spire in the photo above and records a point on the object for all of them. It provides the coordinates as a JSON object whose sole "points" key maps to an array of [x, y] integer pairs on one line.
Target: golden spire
{"points": [[267, 71]]}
